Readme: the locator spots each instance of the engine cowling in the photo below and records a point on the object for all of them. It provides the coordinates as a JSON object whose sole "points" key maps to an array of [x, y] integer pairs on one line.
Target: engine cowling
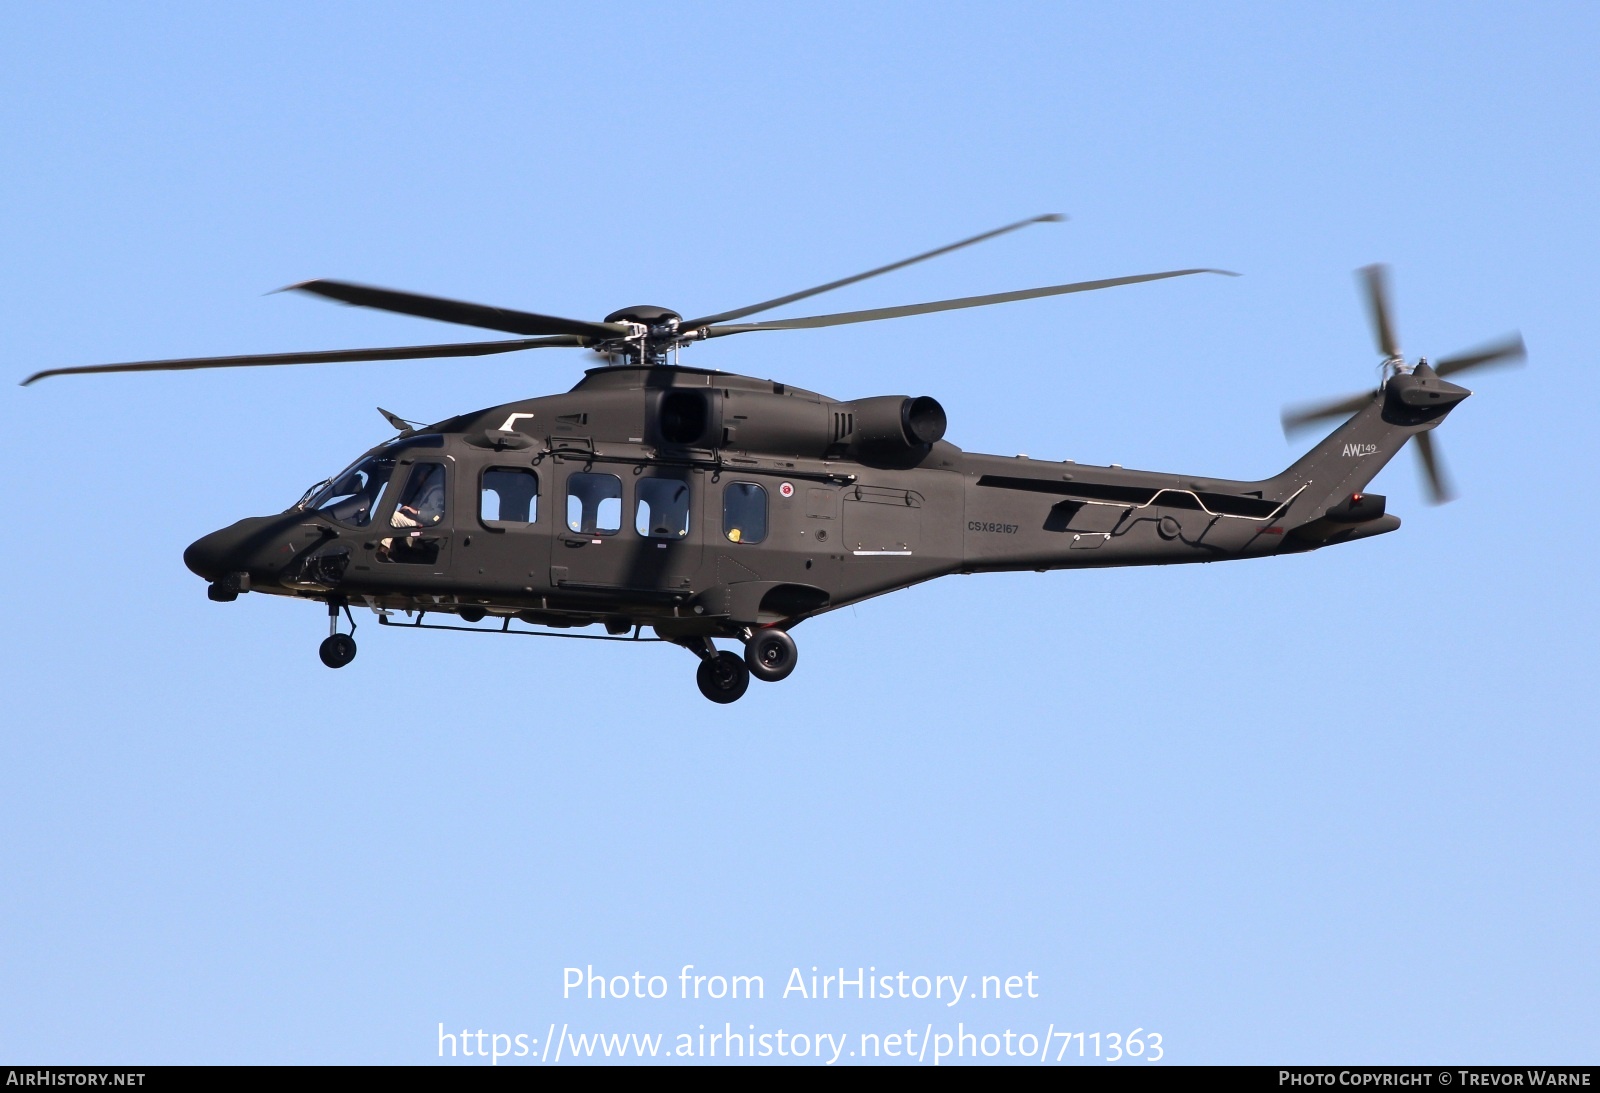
{"points": [[895, 423], [884, 426]]}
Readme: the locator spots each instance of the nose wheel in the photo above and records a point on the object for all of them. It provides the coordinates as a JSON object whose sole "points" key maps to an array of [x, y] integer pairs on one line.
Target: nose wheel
{"points": [[338, 649]]}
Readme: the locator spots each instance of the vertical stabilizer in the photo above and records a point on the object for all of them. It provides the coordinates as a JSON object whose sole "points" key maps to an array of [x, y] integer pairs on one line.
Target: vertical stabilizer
{"points": [[1341, 465]]}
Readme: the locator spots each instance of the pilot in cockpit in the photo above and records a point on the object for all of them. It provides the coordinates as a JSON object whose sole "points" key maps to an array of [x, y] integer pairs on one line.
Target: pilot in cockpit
{"points": [[421, 507]]}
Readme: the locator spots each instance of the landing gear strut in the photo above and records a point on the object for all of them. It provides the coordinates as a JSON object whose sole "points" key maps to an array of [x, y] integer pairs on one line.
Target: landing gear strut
{"points": [[769, 655], [338, 649]]}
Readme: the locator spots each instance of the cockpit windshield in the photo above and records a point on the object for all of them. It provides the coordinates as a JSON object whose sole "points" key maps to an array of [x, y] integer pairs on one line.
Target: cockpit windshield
{"points": [[352, 496]]}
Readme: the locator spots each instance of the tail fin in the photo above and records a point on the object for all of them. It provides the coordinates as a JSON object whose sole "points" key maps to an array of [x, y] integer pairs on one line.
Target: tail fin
{"points": [[1351, 456]]}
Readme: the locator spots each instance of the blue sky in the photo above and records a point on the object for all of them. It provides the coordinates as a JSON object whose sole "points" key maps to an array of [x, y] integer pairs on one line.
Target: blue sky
{"points": [[1336, 807]]}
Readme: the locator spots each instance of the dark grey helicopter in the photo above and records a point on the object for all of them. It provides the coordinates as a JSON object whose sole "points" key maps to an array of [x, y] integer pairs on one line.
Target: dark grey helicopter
{"points": [[708, 505]]}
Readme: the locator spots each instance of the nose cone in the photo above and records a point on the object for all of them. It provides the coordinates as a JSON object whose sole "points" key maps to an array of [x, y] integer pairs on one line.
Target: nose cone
{"points": [[251, 545], [234, 548], [213, 555]]}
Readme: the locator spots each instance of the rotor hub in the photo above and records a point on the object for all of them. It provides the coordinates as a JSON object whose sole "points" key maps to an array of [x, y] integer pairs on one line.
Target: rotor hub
{"points": [[656, 318], [654, 334]]}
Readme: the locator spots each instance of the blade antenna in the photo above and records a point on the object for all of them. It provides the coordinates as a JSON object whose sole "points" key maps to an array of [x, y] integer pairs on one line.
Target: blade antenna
{"points": [[404, 426]]}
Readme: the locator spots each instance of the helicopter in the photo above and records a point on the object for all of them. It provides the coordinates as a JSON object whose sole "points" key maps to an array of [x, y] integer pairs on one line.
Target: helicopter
{"points": [[707, 505]]}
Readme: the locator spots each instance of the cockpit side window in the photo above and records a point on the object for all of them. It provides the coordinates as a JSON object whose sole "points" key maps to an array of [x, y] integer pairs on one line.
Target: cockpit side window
{"points": [[356, 494], [663, 508], [594, 503], [509, 496], [422, 504]]}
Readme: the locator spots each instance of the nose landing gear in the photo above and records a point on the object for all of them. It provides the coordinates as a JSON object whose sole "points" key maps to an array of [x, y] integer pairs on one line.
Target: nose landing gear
{"points": [[338, 649]]}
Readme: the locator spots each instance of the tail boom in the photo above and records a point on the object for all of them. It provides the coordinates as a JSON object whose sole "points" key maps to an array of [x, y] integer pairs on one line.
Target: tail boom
{"points": [[1021, 514]]}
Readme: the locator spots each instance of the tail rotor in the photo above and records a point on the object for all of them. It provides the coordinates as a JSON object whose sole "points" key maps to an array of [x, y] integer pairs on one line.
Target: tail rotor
{"points": [[1412, 387]]}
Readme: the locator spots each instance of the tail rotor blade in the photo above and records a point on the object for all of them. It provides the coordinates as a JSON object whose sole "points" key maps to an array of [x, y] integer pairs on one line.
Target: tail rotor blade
{"points": [[1509, 350], [1300, 417], [1376, 280], [1439, 489]]}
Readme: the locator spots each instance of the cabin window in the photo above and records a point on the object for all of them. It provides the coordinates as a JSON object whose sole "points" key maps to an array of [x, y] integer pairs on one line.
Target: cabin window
{"points": [[744, 512], [508, 495], [594, 503], [422, 505], [663, 510], [355, 495]]}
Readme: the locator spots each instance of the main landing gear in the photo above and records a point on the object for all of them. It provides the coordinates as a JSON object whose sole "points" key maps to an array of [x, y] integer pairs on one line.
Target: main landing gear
{"points": [[769, 655], [338, 649], [723, 677]]}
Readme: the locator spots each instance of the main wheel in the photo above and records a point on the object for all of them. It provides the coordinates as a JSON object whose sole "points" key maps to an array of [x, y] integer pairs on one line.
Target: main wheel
{"points": [[723, 678], [337, 650], [771, 655]]}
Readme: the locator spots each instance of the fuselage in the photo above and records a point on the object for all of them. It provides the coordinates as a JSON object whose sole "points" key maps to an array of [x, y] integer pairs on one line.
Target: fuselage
{"points": [[703, 503]]}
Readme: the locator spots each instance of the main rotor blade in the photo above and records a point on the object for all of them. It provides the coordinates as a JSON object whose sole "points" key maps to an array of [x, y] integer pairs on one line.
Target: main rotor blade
{"points": [[1302, 416], [456, 311], [1376, 279], [331, 356], [946, 305], [767, 305], [1439, 490], [1509, 350]]}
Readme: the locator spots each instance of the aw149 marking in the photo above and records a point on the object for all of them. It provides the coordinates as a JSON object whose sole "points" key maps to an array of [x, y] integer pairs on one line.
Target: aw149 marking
{"points": [[705, 505]]}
